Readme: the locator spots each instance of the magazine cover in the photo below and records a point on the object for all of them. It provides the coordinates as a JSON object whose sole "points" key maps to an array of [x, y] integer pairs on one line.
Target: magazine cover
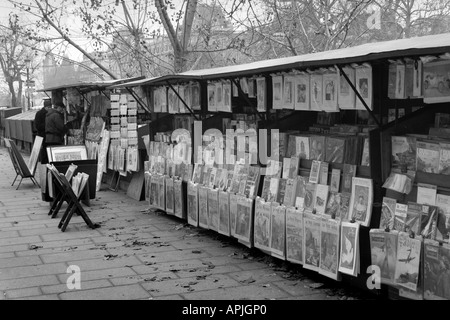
{"points": [[333, 204], [413, 214], [401, 210], [443, 220], [273, 190], [334, 151], [244, 219], [428, 222], [426, 194], [281, 191], [294, 235], [311, 242], [179, 205], [323, 177], [321, 198], [294, 167], [365, 159], [346, 95], [170, 200], [212, 97], [436, 276], [344, 207], [252, 184], [335, 180], [310, 195], [349, 248], [278, 231], [427, 157], [361, 200], [266, 188], [302, 147], [444, 158], [233, 213], [383, 249], [192, 204], [224, 213], [302, 92], [289, 194], [203, 216], [329, 248], [213, 209], [262, 226], [434, 82], [315, 172], [349, 171], [317, 148], [387, 213], [408, 261], [403, 153]]}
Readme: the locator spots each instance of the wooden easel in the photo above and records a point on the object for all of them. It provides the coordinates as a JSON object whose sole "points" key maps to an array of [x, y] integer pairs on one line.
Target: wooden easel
{"points": [[19, 164]]}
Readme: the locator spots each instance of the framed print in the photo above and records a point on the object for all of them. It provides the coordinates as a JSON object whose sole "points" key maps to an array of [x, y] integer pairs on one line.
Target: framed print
{"points": [[288, 92], [330, 96], [436, 81], [346, 95], [277, 92], [363, 76], [67, 153], [261, 94], [302, 94], [316, 94]]}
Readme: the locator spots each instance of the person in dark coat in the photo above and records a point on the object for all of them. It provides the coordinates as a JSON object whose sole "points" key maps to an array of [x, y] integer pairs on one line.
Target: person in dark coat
{"points": [[39, 123], [55, 128]]}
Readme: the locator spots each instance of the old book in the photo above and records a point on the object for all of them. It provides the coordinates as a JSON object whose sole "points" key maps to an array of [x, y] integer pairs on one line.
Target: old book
{"points": [[311, 242], [436, 275], [314, 175], [383, 252], [387, 213], [323, 176], [443, 220], [427, 157], [310, 195], [413, 214], [273, 190], [401, 210], [349, 248], [321, 198], [444, 158], [428, 222], [361, 200], [333, 204], [334, 151], [278, 230], [408, 261], [329, 248], [289, 194], [192, 204], [317, 148], [262, 224], [349, 171], [281, 191], [426, 194], [294, 235], [203, 216], [335, 180]]}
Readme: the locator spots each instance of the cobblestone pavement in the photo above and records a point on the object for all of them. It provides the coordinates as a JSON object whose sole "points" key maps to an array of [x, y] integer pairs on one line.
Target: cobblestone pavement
{"points": [[137, 253]]}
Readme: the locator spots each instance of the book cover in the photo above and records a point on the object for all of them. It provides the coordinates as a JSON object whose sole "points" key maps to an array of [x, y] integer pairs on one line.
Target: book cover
{"points": [[289, 194], [349, 247], [192, 204], [329, 248], [311, 242], [444, 158], [383, 252], [321, 198], [333, 204], [361, 200], [436, 276], [262, 224], [426, 194], [401, 210], [427, 157], [310, 195], [203, 216], [323, 176], [244, 219], [413, 214], [428, 222], [335, 180], [314, 174], [213, 209], [349, 171], [443, 220], [224, 213], [387, 213], [281, 191], [317, 148], [278, 230], [404, 153], [302, 147], [334, 151], [408, 261], [294, 235]]}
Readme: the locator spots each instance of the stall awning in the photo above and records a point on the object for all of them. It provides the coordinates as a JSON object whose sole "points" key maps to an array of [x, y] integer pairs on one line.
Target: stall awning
{"points": [[27, 115], [93, 85]]}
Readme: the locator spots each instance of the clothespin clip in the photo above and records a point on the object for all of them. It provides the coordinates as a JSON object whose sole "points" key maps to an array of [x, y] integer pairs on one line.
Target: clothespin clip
{"points": [[412, 235], [387, 229]]}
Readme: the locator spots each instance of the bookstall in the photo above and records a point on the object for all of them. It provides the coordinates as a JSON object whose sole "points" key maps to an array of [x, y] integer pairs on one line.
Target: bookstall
{"points": [[6, 113], [20, 128], [334, 156]]}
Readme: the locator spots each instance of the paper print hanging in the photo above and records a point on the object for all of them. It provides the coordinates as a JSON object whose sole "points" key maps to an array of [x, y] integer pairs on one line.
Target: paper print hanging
{"points": [[195, 96], [417, 79], [261, 94], [316, 94], [330, 96], [219, 96], [302, 92], [277, 92], [212, 97], [400, 82], [436, 81], [288, 92], [364, 86], [226, 89]]}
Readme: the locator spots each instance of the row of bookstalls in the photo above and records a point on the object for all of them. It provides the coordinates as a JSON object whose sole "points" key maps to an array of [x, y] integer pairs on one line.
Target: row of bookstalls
{"points": [[335, 161]]}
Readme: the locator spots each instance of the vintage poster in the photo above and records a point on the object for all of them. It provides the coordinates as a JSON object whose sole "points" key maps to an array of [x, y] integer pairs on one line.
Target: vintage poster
{"points": [[192, 204], [233, 213], [179, 205], [294, 235], [311, 242], [333, 204], [349, 248], [170, 200], [316, 94], [329, 248], [383, 249], [436, 277], [244, 219], [302, 92], [262, 224], [278, 231], [288, 92], [364, 86], [224, 213], [321, 198], [408, 261], [346, 95], [261, 94], [203, 215], [361, 200], [213, 209], [330, 94], [387, 213], [277, 89], [435, 82]]}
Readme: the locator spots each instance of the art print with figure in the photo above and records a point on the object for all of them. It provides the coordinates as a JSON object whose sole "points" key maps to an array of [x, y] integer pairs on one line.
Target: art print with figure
{"points": [[349, 248], [361, 200]]}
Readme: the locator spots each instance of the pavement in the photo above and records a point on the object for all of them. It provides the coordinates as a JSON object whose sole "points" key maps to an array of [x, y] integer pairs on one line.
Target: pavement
{"points": [[137, 253]]}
